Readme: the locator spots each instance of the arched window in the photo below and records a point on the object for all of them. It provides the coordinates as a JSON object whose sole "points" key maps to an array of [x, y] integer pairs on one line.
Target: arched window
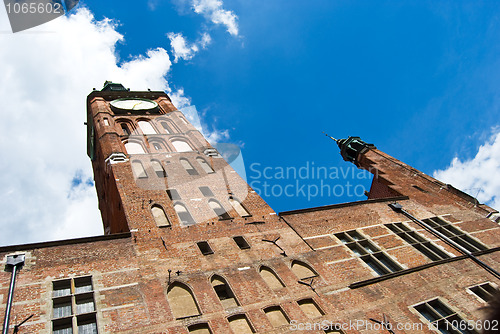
{"points": [[302, 270], [159, 215], [218, 209], [224, 292], [166, 127], [125, 129], [134, 148], [240, 324], [138, 170], [240, 209], [181, 301], [188, 167], [200, 329], [146, 128], [183, 214], [157, 146], [271, 278], [158, 168], [310, 308], [276, 316], [206, 167], [181, 146]]}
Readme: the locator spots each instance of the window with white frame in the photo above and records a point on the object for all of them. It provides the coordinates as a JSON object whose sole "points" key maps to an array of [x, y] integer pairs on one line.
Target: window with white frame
{"points": [[367, 251], [485, 291], [455, 234], [73, 306], [443, 318], [425, 246]]}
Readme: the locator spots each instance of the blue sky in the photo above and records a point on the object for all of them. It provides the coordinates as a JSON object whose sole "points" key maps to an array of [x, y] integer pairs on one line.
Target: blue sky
{"points": [[419, 79]]}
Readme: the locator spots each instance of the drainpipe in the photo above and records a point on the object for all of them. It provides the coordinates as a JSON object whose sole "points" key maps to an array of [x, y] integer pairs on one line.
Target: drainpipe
{"points": [[399, 208], [15, 262]]}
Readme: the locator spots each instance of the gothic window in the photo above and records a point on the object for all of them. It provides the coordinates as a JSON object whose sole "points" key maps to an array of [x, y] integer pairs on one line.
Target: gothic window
{"points": [[165, 127], [74, 306], [455, 234], [158, 168], [134, 148], [425, 246], [200, 329], [146, 128], [310, 308], [138, 169], [181, 301], [206, 167], [276, 316], [224, 292], [373, 256], [302, 270], [442, 317], [271, 278], [181, 146], [183, 214], [241, 242], [218, 209], [159, 215], [125, 129], [188, 167], [240, 209], [240, 324]]}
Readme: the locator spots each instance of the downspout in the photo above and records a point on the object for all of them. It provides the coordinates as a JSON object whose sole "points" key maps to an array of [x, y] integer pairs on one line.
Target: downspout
{"points": [[15, 262]]}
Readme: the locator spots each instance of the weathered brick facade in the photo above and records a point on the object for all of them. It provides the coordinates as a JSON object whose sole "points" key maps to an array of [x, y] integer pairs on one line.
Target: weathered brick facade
{"points": [[336, 264]]}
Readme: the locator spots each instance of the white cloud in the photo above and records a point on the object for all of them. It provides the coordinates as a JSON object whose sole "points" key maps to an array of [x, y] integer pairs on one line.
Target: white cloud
{"points": [[205, 40], [479, 175], [47, 72], [213, 11], [181, 48]]}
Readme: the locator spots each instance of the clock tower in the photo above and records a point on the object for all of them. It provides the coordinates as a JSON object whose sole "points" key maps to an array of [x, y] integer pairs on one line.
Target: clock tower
{"points": [[154, 171]]}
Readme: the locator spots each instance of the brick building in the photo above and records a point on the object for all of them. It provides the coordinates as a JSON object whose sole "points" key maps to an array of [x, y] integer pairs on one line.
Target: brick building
{"points": [[189, 247]]}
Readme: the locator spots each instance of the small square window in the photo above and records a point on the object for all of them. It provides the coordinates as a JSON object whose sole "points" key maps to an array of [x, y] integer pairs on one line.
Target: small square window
{"points": [[62, 326], [206, 191], [205, 248], [173, 194], [62, 307], [87, 324], [85, 304], [241, 242], [61, 288], [83, 284]]}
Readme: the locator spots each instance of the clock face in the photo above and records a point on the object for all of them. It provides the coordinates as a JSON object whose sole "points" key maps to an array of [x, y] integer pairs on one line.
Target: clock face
{"points": [[134, 104]]}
